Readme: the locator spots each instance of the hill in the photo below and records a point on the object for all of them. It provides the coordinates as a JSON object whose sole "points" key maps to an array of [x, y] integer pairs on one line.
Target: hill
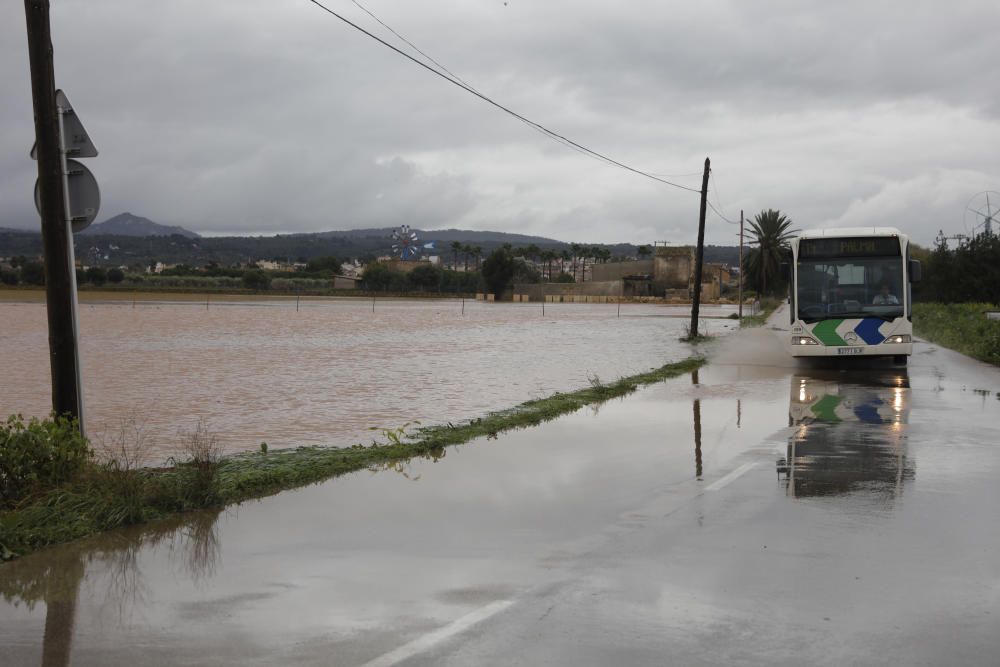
{"points": [[139, 242], [126, 224]]}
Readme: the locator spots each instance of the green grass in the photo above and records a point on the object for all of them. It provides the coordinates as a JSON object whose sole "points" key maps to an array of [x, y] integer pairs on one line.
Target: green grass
{"points": [[104, 498], [767, 307], [962, 327]]}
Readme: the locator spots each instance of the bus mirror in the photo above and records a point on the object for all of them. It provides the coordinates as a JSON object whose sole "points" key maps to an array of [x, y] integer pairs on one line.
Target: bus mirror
{"points": [[914, 270], [785, 271]]}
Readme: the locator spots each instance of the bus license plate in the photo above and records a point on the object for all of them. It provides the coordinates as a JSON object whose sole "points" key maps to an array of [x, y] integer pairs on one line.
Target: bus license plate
{"points": [[850, 350]]}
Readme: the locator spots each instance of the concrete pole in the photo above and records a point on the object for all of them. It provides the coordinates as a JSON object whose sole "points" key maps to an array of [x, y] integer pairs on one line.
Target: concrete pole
{"points": [[699, 253], [57, 238], [740, 297]]}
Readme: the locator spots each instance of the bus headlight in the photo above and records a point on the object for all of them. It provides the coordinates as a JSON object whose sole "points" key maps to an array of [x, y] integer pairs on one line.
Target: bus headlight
{"points": [[803, 340], [904, 338]]}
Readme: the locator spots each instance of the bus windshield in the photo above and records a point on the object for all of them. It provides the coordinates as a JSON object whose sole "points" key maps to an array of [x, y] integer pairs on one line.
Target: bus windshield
{"points": [[850, 287]]}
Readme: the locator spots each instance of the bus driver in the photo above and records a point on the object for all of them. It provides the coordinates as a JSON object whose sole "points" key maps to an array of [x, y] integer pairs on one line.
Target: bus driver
{"points": [[884, 298]]}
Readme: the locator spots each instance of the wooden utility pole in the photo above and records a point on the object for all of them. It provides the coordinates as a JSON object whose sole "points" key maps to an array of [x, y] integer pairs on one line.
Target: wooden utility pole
{"points": [[740, 297], [57, 237], [699, 253]]}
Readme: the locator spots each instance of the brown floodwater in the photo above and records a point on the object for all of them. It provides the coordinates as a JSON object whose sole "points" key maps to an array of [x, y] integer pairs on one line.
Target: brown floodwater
{"points": [[326, 371]]}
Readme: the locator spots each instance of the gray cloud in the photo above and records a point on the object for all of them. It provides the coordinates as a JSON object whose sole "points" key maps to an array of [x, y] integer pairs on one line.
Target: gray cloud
{"points": [[273, 117]]}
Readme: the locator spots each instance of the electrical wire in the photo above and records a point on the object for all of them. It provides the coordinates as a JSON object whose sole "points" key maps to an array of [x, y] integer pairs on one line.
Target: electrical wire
{"points": [[457, 77], [454, 81], [718, 200]]}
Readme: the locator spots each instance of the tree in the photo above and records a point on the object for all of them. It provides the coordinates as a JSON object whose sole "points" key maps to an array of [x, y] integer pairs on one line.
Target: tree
{"points": [[477, 252], [116, 275], [96, 276], [576, 248], [8, 277], [532, 251], [467, 250], [456, 247], [256, 280], [770, 232], [525, 272], [563, 258], [425, 277], [32, 273], [547, 257], [644, 251], [498, 270], [326, 264]]}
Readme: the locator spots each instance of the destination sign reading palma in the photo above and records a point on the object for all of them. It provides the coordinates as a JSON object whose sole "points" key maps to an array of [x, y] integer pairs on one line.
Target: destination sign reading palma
{"points": [[849, 247]]}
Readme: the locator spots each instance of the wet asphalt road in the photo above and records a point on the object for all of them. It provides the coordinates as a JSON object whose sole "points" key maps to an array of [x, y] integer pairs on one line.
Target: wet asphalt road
{"points": [[755, 513]]}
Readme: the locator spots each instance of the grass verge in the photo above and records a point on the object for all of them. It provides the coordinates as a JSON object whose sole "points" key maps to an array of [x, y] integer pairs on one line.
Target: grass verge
{"points": [[103, 498], [767, 306], [963, 327]]}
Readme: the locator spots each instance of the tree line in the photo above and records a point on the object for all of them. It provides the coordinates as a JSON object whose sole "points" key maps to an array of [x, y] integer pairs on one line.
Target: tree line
{"points": [[967, 273]]}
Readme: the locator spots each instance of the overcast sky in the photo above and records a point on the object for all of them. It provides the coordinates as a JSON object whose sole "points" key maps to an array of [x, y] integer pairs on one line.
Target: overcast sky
{"points": [[272, 116]]}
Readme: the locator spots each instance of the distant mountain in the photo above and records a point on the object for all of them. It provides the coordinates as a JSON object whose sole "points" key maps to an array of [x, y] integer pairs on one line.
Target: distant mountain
{"points": [[126, 224], [448, 235]]}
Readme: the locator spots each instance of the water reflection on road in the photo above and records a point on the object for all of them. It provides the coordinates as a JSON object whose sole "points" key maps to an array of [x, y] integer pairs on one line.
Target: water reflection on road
{"points": [[109, 569], [849, 435]]}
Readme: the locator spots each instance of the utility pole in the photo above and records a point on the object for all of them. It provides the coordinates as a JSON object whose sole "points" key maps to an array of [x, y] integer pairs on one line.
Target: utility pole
{"points": [[57, 238], [699, 253], [740, 297]]}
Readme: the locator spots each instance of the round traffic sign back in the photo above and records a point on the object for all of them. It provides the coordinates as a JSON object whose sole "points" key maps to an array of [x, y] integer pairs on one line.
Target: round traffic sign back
{"points": [[83, 193]]}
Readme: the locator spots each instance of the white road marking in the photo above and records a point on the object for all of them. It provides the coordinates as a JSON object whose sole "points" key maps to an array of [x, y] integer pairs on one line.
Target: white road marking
{"points": [[730, 478], [421, 644]]}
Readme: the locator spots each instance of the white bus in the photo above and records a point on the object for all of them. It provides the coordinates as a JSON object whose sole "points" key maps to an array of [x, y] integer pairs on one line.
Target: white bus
{"points": [[849, 293]]}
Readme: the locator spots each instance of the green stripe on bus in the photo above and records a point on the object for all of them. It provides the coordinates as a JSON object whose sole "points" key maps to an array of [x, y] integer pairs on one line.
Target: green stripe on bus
{"points": [[826, 331], [825, 409]]}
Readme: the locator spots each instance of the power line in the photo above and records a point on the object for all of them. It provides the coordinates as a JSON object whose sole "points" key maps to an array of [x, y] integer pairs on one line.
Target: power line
{"points": [[718, 200], [716, 211], [460, 79], [454, 81]]}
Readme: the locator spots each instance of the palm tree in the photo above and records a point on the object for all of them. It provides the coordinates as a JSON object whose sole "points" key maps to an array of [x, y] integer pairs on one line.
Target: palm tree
{"points": [[477, 252], [769, 232], [467, 250], [547, 257], [563, 258], [576, 248], [456, 247], [532, 251]]}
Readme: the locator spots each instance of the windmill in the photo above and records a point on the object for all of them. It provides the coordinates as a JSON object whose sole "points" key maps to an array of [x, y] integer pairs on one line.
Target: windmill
{"points": [[982, 211], [406, 244]]}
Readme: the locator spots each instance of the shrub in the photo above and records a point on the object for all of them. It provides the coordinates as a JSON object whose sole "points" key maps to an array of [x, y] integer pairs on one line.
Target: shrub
{"points": [[96, 275], [37, 455], [116, 275], [256, 280], [202, 452], [8, 277], [32, 273]]}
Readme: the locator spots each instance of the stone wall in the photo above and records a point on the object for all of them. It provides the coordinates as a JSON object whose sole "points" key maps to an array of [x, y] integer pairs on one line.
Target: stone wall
{"points": [[618, 270], [672, 268], [540, 291]]}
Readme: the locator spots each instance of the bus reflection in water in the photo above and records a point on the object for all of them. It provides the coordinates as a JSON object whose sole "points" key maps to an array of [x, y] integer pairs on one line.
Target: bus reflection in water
{"points": [[848, 437]]}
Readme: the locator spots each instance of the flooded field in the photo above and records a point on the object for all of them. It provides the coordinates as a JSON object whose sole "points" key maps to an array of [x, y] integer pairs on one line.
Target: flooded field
{"points": [[326, 371]]}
